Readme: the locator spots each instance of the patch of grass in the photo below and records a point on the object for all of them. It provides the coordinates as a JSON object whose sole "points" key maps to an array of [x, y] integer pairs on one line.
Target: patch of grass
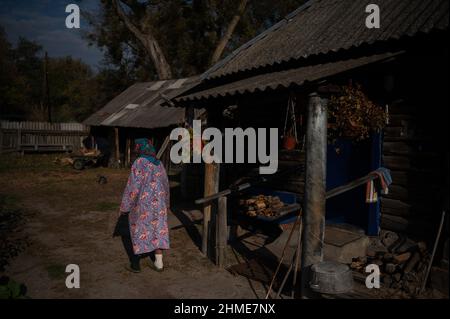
{"points": [[30, 162], [106, 206], [56, 271], [11, 219], [10, 289], [8, 202]]}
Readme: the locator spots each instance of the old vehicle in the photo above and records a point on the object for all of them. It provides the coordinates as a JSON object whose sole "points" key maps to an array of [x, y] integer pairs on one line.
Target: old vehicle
{"points": [[85, 158]]}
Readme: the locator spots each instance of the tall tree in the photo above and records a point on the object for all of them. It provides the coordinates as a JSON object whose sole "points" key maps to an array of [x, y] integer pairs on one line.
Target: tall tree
{"points": [[229, 32], [145, 35], [174, 38], [75, 91], [9, 79], [28, 63]]}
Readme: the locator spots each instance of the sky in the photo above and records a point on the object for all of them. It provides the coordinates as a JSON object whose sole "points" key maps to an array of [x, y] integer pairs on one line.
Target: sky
{"points": [[43, 21]]}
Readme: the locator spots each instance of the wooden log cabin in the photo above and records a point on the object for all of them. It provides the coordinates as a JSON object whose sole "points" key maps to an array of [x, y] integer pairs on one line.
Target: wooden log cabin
{"points": [[402, 67]]}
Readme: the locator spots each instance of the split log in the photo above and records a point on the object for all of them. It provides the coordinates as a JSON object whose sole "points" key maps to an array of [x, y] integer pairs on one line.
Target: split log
{"points": [[387, 281], [402, 258], [388, 257], [390, 268], [412, 262]]}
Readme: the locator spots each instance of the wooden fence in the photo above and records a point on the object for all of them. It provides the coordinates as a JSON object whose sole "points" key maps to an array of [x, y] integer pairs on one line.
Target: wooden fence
{"points": [[41, 136]]}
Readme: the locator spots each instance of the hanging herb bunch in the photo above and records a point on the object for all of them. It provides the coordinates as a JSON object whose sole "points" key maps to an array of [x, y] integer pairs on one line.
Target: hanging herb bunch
{"points": [[352, 115]]}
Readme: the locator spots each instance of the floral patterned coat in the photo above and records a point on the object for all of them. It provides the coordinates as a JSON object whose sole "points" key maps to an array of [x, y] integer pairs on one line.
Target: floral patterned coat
{"points": [[147, 199]]}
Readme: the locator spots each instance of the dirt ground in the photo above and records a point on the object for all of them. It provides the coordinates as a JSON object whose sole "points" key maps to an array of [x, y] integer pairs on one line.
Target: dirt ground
{"points": [[69, 218]]}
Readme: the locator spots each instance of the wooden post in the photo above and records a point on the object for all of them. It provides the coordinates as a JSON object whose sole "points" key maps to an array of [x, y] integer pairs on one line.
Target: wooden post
{"points": [[188, 169], [189, 115], [116, 140], [211, 183], [1, 139], [211, 187], [128, 152], [221, 231], [47, 88], [315, 189], [19, 137], [163, 147]]}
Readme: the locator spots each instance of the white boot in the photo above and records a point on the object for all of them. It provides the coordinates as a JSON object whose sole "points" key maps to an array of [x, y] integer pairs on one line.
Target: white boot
{"points": [[159, 262]]}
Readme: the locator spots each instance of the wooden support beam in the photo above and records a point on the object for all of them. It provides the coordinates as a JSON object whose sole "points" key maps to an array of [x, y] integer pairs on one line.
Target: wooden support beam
{"points": [[221, 232], [128, 152], [211, 187], [225, 192], [116, 145], [315, 188], [211, 183], [163, 147], [1, 139], [19, 137], [189, 115]]}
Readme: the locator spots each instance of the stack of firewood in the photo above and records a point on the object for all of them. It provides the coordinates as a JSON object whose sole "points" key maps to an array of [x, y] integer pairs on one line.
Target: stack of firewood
{"points": [[261, 205], [402, 269]]}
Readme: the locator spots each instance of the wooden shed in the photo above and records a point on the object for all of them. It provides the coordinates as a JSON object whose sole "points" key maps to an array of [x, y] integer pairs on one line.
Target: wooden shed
{"points": [[317, 49], [139, 112]]}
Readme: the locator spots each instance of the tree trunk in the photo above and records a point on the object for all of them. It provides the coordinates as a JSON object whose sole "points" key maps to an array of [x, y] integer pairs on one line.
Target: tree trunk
{"points": [[150, 44], [153, 48], [229, 32]]}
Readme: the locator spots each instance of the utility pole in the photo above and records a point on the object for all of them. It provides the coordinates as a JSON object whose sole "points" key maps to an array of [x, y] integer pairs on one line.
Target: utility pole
{"points": [[47, 88]]}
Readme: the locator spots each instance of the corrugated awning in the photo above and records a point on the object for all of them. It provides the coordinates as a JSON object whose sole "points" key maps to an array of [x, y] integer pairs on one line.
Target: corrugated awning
{"points": [[287, 78], [323, 26]]}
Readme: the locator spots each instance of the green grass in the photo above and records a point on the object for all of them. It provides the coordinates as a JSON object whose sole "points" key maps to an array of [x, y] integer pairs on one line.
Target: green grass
{"points": [[30, 162], [8, 202], [106, 206], [56, 271]]}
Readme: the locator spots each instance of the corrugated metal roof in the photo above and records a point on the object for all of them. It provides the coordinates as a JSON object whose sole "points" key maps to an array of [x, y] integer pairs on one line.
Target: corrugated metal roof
{"points": [[140, 105], [284, 79], [323, 26]]}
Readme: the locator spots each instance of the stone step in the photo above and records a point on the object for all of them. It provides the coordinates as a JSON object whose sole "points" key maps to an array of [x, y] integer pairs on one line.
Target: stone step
{"points": [[341, 244]]}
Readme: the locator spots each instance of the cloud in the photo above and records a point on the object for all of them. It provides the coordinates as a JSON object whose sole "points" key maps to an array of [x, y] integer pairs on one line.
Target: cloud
{"points": [[44, 23]]}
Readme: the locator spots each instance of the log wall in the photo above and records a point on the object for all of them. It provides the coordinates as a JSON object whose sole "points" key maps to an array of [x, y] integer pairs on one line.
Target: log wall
{"points": [[416, 158]]}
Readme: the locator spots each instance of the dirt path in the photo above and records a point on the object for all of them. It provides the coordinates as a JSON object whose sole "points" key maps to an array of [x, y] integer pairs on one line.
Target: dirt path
{"points": [[70, 219]]}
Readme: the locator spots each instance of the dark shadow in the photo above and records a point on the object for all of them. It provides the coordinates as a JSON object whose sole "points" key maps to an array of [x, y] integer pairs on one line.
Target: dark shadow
{"points": [[257, 265], [178, 210], [122, 230], [260, 264]]}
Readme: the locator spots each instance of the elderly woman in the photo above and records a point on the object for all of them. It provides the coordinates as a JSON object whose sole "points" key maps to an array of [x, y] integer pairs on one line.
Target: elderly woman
{"points": [[146, 202]]}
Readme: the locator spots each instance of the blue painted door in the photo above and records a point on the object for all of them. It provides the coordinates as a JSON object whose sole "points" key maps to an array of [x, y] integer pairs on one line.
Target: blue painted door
{"points": [[346, 161]]}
